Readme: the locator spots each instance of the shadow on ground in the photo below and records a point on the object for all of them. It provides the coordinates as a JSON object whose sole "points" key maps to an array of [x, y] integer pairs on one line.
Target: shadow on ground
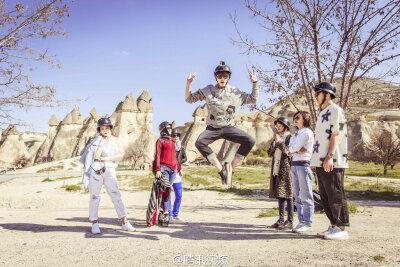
{"points": [[106, 232], [188, 231]]}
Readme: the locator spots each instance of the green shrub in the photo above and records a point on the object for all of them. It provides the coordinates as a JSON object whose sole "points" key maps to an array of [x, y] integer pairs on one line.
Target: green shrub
{"points": [[196, 180], [379, 258], [47, 180], [51, 169], [71, 187], [260, 153], [352, 207], [255, 160], [274, 212]]}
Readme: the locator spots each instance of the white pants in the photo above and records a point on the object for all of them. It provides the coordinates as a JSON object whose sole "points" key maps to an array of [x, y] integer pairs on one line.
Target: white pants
{"points": [[109, 179]]}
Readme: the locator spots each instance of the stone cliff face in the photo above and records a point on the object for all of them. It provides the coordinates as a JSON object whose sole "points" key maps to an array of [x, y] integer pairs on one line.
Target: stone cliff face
{"points": [[360, 130], [12, 147], [64, 140], [132, 120]]}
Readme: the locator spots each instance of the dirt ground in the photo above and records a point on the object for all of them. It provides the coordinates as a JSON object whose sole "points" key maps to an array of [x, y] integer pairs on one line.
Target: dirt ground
{"points": [[41, 224]]}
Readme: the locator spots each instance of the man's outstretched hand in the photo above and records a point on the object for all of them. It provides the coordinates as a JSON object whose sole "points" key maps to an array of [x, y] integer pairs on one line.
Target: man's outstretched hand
{"points": [[253, 77], [191, 77]]}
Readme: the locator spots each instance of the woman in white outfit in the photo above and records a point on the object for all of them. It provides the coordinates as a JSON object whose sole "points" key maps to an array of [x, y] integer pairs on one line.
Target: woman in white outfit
{"points": [[300, 148], [106, 158]]}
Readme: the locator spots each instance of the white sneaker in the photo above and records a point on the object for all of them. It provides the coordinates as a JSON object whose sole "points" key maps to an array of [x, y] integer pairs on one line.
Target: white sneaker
{"points": [[294, 230], [337, 234], [171, 219], [324, 233], [178, 219], [128, 227], [305, 229], [95, 228]]}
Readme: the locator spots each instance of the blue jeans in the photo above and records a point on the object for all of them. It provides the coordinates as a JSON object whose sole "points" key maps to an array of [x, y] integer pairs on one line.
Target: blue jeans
{"points": [[178, 199], [170, 174], [302, 190]]}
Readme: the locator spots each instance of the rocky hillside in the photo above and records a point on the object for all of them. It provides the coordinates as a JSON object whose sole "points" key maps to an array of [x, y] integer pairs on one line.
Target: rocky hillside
{"points": [[68, 138]]}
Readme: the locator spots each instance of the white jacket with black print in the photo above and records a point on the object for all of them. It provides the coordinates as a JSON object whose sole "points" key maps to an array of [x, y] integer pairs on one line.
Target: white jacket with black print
{"points": [[222, 104]]}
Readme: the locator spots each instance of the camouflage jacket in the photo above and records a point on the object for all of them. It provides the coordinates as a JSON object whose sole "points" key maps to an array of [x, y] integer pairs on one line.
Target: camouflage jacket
{"points": [[222, 104]]}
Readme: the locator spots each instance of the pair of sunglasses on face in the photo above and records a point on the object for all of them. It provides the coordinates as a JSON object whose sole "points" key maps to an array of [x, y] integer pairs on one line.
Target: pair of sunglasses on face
{"points": [[222, 75], [175, 135], [296, 118], [316, 93]]}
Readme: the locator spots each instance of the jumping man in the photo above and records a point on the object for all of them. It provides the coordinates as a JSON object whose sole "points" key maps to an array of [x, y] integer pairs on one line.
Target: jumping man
{"points": [[223, 100]]}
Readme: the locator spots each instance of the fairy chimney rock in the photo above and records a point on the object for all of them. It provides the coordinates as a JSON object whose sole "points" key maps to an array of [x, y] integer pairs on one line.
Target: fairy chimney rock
{"points": [[11, 130], [143, 102], [128, 105], [93, 113], [54, 121], [67, 119], [76, 116], [200, 111]]}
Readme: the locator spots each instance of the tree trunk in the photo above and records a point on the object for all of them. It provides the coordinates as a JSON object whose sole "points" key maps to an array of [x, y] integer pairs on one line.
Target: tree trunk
{"points": [[385, 169]]}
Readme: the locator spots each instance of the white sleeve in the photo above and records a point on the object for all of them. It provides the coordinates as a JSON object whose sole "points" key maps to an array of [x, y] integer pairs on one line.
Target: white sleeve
{"points": [[301, 141]]}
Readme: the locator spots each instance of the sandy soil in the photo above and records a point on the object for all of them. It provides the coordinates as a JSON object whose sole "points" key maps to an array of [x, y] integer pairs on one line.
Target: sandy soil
{"points": [[41, 224]]}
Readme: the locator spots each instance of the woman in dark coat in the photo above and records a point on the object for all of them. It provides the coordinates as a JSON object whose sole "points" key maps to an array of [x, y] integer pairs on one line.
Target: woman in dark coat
{"points": [[281, 180]]}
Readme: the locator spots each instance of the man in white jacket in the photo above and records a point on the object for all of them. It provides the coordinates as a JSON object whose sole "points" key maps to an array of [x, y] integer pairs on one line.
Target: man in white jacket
{"points": [[329, 160], [223, 100]]}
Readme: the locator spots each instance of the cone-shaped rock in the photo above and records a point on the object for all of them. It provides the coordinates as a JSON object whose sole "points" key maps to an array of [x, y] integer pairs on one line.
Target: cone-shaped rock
{"points": [[54, 121], [144, 101], [128, 105], [200, 111], [76, 116], [93, 113]]}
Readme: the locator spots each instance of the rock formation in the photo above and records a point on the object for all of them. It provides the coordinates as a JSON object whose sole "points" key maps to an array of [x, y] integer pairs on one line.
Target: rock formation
{"points": [[132, 120], [12, 147]]}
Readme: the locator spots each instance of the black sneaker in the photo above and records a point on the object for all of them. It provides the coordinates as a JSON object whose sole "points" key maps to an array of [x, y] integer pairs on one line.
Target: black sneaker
{"points": [[286, 225], [226, 170], [278, 223]]}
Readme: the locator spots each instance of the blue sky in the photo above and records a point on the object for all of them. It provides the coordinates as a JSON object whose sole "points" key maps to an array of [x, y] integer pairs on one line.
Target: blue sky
{"points": [[117, 47]]}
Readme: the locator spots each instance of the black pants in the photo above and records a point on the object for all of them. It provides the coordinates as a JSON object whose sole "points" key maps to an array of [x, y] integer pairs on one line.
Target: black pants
{"points": [[229, 133], [333, 197]]}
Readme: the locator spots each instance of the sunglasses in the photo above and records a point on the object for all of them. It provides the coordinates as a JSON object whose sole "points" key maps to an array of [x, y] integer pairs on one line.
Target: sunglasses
{"points": [[296, 118], [222, 75], [175, 135], [316, 93]]}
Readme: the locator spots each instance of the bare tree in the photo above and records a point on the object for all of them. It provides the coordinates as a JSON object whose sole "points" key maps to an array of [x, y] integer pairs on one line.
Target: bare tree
{"points": [[310, 41], [137, 151], [20, 24], [383, 149], [21, 162]]}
